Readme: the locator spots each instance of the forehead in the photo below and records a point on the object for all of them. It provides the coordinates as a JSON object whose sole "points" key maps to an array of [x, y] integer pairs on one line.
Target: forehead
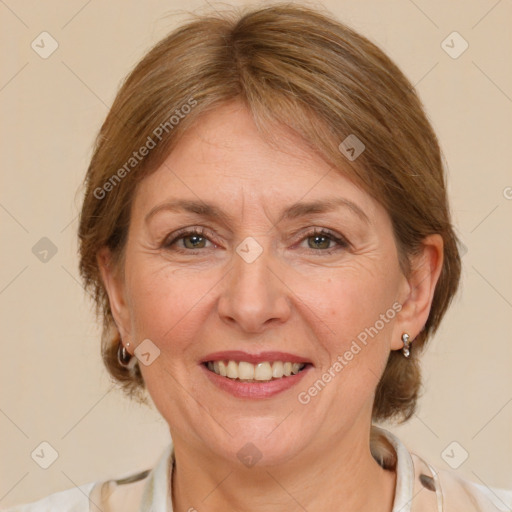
{"points": [[223, 157]]}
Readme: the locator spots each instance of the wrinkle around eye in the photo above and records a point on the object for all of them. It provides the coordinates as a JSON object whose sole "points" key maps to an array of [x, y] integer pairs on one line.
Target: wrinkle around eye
{"points": [[159, 230]]}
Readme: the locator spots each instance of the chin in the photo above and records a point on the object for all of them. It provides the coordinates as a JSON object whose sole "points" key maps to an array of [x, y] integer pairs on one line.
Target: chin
{"points": [[262, 446]]}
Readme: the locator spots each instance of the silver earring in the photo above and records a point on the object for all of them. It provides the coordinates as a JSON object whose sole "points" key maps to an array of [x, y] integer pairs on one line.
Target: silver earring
{"points": [[407, 344], [123, 356]]}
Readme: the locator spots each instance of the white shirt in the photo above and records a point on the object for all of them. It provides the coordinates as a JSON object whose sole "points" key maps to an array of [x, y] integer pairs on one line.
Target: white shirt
{"points": [[419, 488]]}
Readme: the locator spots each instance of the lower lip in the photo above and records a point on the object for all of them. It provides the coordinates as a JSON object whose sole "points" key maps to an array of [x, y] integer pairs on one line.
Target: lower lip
{"points": [[255, 390]]}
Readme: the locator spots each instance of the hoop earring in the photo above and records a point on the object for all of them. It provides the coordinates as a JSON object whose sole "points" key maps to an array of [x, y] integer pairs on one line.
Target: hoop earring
{"points": [[407, 344], [123, 356]]}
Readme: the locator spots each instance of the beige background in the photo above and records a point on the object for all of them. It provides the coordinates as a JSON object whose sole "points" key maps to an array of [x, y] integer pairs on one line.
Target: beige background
{"points": [[53, 386]]}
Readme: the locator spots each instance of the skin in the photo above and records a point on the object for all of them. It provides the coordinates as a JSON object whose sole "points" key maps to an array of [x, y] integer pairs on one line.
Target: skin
{"points": [[295, 297]]}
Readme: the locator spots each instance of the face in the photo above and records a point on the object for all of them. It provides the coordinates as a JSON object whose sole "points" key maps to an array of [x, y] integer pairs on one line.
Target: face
{"points": [[258, 275]]}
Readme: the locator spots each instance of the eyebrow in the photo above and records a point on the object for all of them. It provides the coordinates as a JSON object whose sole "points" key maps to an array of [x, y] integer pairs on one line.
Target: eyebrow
{"points": [[294, 211]]}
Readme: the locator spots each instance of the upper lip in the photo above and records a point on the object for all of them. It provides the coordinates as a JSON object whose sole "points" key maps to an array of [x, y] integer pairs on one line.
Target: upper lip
{"points": [[240, 355]]}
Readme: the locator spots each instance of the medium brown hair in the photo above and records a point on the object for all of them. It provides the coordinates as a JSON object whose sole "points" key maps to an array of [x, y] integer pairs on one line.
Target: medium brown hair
{"points": [[292, 66]]}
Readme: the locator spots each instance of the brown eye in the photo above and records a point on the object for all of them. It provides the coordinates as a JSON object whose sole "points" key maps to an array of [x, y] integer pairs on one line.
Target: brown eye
{"points": [[190, 239], [319, 242], [196, 241], [324, 241]]}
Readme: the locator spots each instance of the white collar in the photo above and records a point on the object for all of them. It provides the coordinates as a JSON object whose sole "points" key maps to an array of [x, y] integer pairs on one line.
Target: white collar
{"points": [[157, 496], [404, 473]]}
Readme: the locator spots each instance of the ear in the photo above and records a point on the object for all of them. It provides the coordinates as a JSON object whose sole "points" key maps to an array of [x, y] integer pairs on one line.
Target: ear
{"points": [[418, 291], [115, 287]]}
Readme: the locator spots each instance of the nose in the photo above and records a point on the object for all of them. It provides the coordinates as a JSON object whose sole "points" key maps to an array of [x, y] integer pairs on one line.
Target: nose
{"points": [[255, 295]]}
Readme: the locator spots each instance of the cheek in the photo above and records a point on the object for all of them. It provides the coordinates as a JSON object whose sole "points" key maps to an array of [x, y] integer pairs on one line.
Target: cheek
{"points": [[360, 317], [165, 304], [351, 301], [352, 315]]}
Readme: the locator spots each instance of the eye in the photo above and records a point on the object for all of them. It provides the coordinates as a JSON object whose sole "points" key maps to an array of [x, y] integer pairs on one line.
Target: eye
{"points": [[191, 239], [320, 240]]}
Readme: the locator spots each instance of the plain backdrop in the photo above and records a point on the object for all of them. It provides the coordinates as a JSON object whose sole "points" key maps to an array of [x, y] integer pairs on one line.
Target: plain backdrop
{"points": [[53, 386]]}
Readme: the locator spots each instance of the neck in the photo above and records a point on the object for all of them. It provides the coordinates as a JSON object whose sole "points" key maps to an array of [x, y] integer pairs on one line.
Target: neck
{"points": [[342, 476]]}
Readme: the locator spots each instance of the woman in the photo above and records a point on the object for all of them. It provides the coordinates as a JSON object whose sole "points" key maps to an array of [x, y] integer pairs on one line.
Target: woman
{"points": [[267, 234]]}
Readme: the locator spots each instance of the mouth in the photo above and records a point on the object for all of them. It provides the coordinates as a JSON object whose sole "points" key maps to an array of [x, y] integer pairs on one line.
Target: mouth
{"points": [[264, 371], [255, 376]]}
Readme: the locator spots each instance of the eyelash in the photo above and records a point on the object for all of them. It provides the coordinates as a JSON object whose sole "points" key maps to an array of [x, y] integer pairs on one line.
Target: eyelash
{"points": [[201, 232]]}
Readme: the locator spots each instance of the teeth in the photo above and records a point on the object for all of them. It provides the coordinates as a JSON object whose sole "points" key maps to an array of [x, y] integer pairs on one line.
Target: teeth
{"points": [[245, 370], [277, 369], [232, 370], [264, 371]]}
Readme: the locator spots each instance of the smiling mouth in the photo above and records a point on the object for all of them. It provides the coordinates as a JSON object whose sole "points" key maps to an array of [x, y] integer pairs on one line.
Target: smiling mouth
{"points": [[264, 371]]}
